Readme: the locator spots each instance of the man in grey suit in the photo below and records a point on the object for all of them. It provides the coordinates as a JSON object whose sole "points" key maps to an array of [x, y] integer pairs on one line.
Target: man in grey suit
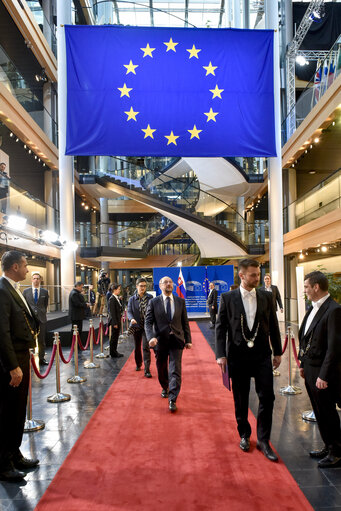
{"points": [[38, 299], [276, 297], [167, 330]]}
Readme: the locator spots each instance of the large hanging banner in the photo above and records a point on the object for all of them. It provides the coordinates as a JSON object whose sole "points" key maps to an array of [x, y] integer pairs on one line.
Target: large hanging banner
{"points": [[195, 278], [138, 91]]}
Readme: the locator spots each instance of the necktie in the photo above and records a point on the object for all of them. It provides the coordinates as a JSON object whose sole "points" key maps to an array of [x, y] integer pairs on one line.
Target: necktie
{"points": [[168, 308], [36, 296]]}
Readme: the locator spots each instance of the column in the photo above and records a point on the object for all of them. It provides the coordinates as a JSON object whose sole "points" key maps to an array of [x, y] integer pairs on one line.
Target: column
{"points": [[66, 178], [292, 196], [104, 221], [246, 17], [240, 222], [47, 102], [46, 21], [49, 200], [236, 14], [50, 281]]}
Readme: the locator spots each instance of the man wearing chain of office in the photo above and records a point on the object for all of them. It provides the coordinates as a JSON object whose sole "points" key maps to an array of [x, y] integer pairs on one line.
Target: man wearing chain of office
{"points": [[246, 321]]}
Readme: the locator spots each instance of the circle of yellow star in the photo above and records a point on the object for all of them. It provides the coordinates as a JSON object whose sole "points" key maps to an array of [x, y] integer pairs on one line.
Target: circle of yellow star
{"points": [[171, 45], [131, 67], [131, 114], [148, 132], [147, 51], [171, 138], [216, 92], [124, 91], [210, 69], [211, 115], [194, 132], [193, 52]]}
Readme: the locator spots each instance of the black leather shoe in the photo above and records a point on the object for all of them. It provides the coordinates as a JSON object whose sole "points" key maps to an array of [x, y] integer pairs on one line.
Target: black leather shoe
{"points": [[12, 475], [43, 362], [117, 355], [172, 406], [138, 368], [321, 453], [244, 443], [147, 374], [212, 326], [267, 451], [330, 461], [164, 393], [25, 463]]}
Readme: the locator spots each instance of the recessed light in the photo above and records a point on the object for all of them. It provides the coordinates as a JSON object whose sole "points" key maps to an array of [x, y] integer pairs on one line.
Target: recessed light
{"points": [[312, 171]]}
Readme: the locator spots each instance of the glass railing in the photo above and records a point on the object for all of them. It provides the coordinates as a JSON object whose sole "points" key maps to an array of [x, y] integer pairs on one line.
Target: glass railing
{"points": [[180, 248], [47, 27], [320, 200], [28, 97], [326, 73], [251, 166]]}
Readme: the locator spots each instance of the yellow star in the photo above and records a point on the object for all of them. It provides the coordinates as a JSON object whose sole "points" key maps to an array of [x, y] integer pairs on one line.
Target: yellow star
{"points": [[130, 67], [171, 138], [124, 91], [194, 132], [211, 115], [193, 52], [148, 132], [216, 92], [131, 114], [210, 69], [147, 51], [171, 46]]}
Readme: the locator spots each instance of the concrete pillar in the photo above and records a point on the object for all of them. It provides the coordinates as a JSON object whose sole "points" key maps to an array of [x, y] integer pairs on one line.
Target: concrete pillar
{"points": [[49, 200], [236, 14], [50, 281], [292, 196], [246, 13]]}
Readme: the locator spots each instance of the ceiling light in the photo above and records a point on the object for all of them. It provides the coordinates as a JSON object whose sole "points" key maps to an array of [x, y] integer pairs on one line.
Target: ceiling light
{"points": [[333, 123], [17, 140], [16, 222], [49, 236], [316, 140], [311, 146], [11, 134], [83, 204], [312, 172], [324, 249], [301, 256], [301, 60]]}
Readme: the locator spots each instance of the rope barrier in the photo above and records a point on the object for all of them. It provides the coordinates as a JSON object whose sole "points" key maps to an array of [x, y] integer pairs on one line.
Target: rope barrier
{"points": [[76, 378], [285, 344], [71, 351], [30, 423], [106, 329], [83, 348], [295, 352], [99, 332], [35, 368], [58, 397], [290, 389], [90, 364]]}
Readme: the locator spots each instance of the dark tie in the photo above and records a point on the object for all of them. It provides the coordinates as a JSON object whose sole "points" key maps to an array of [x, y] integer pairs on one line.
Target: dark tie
{"points": [[36, 296], [168, 309]]}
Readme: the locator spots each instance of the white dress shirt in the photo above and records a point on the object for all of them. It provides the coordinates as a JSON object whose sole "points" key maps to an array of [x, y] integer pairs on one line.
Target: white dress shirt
{"points": [[316, 306], [249, 299], [16, 286], [171, 302]]}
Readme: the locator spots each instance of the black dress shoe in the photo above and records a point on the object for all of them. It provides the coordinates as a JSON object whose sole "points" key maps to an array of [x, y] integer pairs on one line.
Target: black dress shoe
{"points": [[244, 443], [12, 475], [117, 355], [330, 461], [267, 451], [43, 362], [147, 374], [321, 453], [164, 393], [212, 326], [138, 368], [172, 406], [23, 463]]}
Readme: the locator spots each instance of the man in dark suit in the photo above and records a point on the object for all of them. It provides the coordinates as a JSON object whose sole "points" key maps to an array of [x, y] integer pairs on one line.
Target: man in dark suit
{"points": [[276, 297], [18, 330], [212, 302], [167, 330], [248, 319], [38, 299], [137, 307], [77, 307], [320, 356], [115, 310]]}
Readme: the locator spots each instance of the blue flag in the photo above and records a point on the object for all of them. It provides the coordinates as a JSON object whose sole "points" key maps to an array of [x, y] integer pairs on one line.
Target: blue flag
{"points": [[136, 91]]}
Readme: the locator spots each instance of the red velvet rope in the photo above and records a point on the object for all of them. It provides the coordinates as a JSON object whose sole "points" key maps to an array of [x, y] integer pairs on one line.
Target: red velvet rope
{"points": [[106, 329], [83, 348], [99, 333], [285, 344], [295, 352], [71, 350], [35, 368]]}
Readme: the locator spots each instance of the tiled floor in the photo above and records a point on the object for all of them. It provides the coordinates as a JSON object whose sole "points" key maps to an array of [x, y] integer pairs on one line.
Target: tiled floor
{"points": [[292, 437]]}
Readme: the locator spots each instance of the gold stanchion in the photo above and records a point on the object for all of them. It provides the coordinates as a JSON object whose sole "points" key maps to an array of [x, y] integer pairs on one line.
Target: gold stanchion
{"points": [[90, 364], [101, 329], [58, 397], [31, 424], [76, 378], [309, 416], [109, 336], [290, 389]]}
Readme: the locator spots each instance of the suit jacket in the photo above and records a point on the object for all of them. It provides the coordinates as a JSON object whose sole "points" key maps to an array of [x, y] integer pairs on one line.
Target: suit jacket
{"points": [[324, 334], [40, 309], [276, 296], [115, 311], [229, 325], [213, 298], [157, 325], [15, 326], [77, 305], [134, 307]]}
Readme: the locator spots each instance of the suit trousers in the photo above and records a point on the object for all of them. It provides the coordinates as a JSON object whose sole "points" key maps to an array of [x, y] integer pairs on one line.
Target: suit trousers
{"points": [[213, 314], [140, 341], [41, 341], [324, 405], [115, 333], [241, 372], [13, 401], [168, 363]]}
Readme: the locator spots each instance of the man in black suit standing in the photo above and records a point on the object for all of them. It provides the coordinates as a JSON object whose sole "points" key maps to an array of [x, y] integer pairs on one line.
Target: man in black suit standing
{"points": [[276, 296], [248, 319], [320, 356], [212, 302], [167, 330], [18, 330], [115, 314], [38, 299], [77, 307]]}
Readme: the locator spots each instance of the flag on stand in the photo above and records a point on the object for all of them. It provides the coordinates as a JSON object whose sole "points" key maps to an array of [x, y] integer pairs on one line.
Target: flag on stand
{"points": [[181, 287]]}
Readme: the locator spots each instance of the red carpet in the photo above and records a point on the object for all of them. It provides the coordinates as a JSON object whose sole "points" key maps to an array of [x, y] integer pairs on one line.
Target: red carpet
{"points": [[135, 455]]}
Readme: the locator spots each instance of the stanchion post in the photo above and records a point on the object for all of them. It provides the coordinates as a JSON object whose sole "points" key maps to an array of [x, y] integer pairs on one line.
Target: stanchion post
{"points": [[90, 364], [76, 378], [31, 424], [309, 416], [101, 328], [109, 337], [58, 397], [290, 389]]}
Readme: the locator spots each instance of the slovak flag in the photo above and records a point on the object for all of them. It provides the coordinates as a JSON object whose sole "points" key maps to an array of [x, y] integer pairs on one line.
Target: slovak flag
{"points": [[181, 287]]}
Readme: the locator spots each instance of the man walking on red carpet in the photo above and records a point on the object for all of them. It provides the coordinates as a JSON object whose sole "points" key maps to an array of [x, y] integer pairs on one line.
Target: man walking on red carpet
{"points": [[167, 330], [247, 319]]}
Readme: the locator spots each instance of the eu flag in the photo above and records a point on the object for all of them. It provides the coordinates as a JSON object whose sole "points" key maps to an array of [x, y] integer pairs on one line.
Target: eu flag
{"points": [[136, 91]]}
